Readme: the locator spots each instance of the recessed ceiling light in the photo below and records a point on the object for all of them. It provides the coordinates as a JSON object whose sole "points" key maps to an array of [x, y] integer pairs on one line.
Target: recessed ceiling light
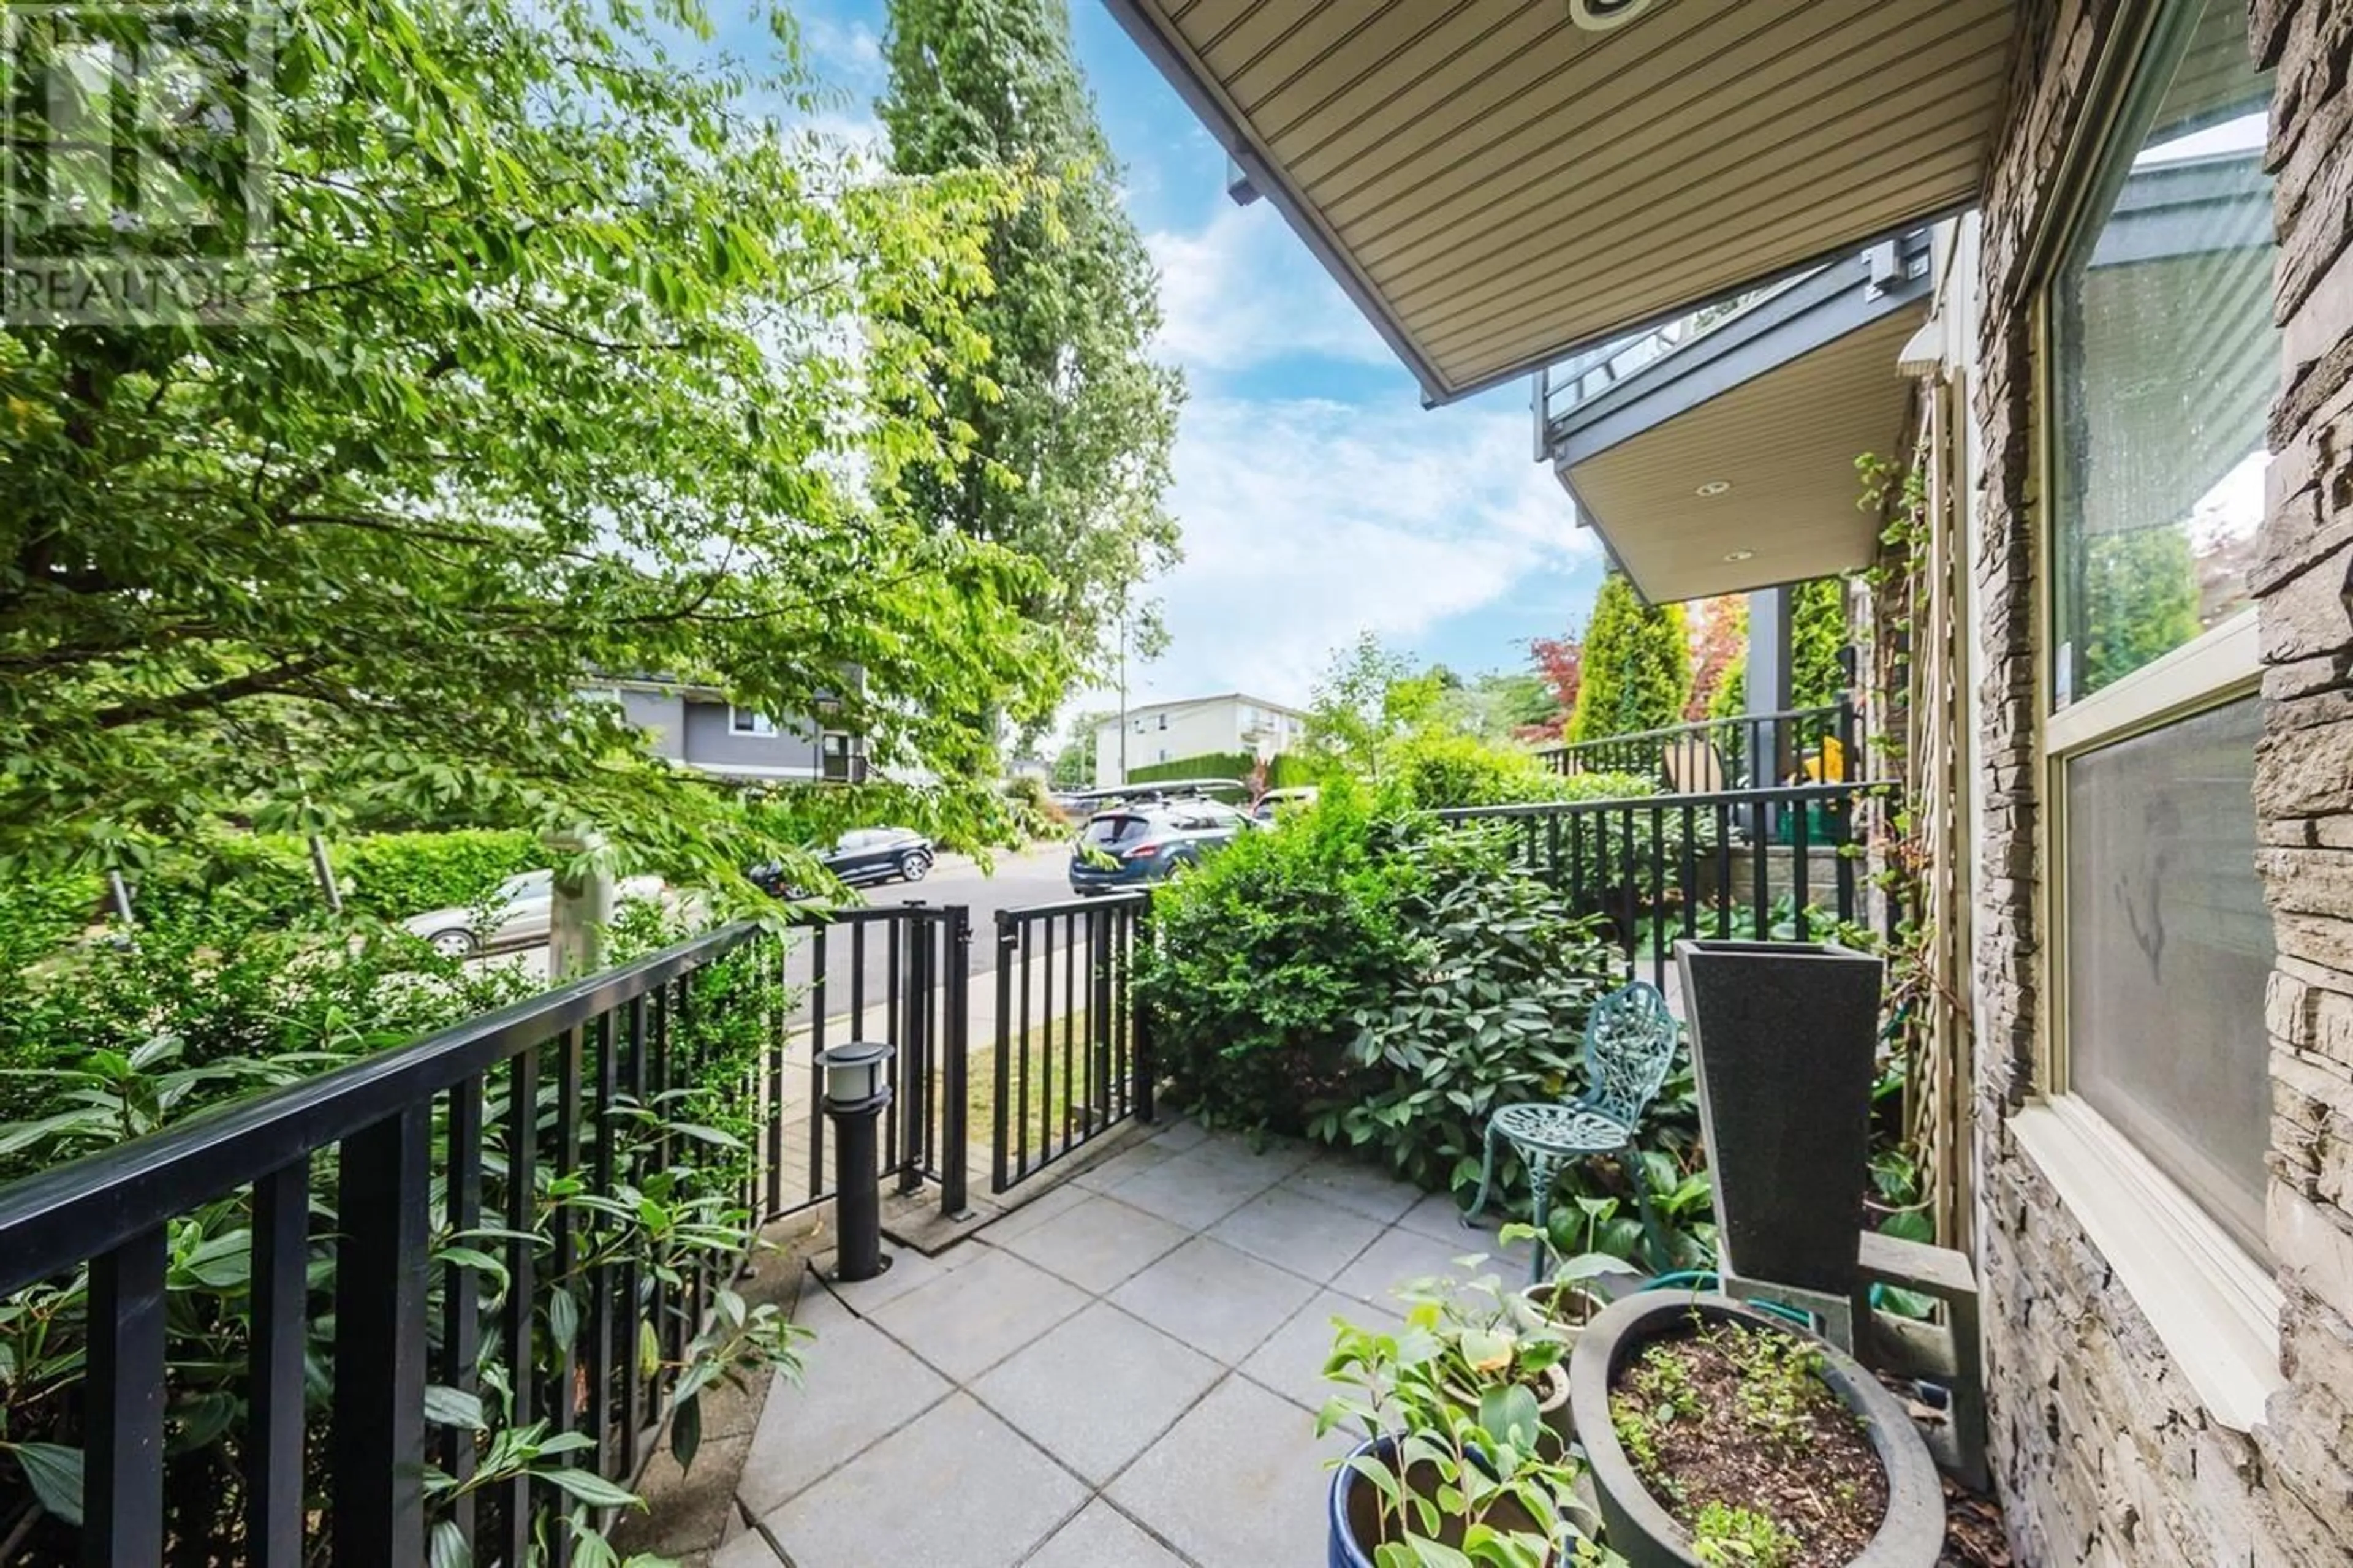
{"points": [[1715, 486], [1600, 16], [1739, 554]]}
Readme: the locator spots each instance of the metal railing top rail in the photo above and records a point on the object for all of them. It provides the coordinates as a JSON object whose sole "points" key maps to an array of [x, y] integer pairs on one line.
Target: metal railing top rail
{"points": [[1574, 382], [1698, 726], [1772, 794], [1075, 906], [52, 1221]]}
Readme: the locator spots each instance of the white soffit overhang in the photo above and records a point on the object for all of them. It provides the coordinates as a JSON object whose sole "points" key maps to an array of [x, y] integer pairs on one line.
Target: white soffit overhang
{"points": [[1497, 187], [1783, 445]]}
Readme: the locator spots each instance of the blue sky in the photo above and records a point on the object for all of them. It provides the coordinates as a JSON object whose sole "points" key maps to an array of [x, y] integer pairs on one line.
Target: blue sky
{"points": [[1317, 497]]}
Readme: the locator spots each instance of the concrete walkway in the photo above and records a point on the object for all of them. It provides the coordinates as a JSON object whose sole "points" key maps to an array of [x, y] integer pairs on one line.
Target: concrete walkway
{"points": [[1121, 1374]]}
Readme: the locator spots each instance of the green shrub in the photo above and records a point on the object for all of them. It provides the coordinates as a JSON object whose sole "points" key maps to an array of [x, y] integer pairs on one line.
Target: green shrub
{"points": [[305, 995], [173, 1025], [231, 881], [1294, 770], [1488, 1010], [1264, 954]]}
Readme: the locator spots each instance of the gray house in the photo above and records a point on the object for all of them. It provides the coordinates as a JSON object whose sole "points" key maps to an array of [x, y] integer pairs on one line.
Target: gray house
{"points": [[697, 727]]}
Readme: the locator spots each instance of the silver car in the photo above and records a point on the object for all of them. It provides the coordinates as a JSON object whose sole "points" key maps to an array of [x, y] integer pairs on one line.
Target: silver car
{"points": [[518, 913]]}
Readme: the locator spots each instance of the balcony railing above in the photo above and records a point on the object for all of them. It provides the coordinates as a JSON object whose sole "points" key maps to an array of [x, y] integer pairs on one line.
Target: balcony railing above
{"points": [[1751, 751], [1561, 388]]}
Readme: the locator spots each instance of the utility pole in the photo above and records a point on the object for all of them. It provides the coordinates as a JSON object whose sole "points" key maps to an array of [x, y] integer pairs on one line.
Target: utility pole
{"points": [[1122, 694]]}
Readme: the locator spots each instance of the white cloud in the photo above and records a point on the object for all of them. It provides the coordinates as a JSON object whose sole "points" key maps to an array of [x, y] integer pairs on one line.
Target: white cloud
{"points": [[848, 52], [1306, 521], [1243, 291]]}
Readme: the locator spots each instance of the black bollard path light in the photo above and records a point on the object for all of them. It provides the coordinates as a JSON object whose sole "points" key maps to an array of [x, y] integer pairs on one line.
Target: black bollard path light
{"points": [[857, 1092]]}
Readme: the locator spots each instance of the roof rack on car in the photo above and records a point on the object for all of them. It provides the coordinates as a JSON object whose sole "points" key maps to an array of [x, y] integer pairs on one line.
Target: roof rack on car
{"points": [[1158, 789]]}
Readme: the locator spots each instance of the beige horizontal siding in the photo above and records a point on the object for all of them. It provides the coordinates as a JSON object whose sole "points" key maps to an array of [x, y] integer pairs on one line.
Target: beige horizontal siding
{"points": [[1506, 183]]}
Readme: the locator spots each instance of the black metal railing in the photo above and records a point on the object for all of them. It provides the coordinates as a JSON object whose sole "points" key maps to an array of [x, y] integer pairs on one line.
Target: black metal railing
{"points": [[1073, 1056], [528, 1211], [1775, 865], [1761, 751]]}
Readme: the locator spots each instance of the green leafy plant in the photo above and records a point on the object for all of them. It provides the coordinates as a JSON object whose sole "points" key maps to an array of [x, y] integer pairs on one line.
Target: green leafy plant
{"points": [[1486, 1009], [675, 1212], [1728, 1537], [1471, 1474]]}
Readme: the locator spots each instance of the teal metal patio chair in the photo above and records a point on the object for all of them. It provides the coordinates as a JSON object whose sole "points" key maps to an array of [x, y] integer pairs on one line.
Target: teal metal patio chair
{"points": [[1630, 1043]]}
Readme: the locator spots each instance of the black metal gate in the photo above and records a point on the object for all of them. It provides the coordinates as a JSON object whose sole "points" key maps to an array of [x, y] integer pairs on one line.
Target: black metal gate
{"points": [[1072, 1054], [898, 973]]}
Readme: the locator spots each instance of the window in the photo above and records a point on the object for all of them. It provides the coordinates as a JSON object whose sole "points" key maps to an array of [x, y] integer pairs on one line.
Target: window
{"points": [[2163, 364], [1164, 720], [2168, 948], [743, 721], [839, 763]]}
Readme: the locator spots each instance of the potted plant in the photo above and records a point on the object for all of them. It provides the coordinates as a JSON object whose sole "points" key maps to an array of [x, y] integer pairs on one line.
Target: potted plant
{"points": [[1782, 1039], [1437, 1482], [1569, 1299], [1716, 1434]]}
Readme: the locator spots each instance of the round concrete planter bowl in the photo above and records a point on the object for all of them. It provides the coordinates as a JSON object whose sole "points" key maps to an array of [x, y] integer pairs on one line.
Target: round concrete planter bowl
{"points": [[1911, 1536]]}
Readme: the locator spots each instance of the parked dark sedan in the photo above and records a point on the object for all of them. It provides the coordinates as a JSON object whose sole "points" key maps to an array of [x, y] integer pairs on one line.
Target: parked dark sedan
{"points": [[1131, 846], [858, 858]]}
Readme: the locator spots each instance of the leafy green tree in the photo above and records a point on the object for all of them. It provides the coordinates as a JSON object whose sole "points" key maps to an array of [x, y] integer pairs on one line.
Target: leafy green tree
{"points": [[2141, 601], [578, 362], [1074, 763], [1368, 699], [1074, 419], [1636, 671]]}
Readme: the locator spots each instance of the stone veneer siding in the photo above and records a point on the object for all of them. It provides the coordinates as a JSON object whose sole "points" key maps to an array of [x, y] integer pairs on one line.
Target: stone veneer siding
{"points": [[2102, 1452]]}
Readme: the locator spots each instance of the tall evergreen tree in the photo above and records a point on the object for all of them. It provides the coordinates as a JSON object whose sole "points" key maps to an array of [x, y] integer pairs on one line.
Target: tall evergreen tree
{"points": [[1636, 671], [1074, 420]]}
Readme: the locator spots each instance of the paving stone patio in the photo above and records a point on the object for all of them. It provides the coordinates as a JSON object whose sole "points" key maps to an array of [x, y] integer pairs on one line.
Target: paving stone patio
{"points": [[1122, 1374]]}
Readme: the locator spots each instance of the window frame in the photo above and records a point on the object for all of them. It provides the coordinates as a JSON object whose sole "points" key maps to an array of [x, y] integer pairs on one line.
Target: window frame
{"points": [[2214, 1305], [750, 722]]}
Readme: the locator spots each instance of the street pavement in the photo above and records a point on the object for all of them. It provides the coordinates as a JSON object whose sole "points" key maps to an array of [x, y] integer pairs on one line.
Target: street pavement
{"points": [[1017, 880]]}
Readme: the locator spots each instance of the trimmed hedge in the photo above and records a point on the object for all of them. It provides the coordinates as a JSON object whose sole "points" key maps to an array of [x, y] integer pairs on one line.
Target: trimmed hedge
{"points": [[266, 878], [1283, 770], [1207, 766]]}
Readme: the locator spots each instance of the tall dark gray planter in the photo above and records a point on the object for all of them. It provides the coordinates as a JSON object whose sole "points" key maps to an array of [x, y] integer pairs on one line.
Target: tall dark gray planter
{"points": [[1783, 1036]]}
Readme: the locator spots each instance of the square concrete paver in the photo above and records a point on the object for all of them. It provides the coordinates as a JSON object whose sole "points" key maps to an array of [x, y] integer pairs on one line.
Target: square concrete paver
{"points": [[1127, 1162], [1400, 1257], [1203, 1185], [1097, 1244], [858, 1387], [1240, 1483], [968, 1319], [1032, 1214], [1439, 1216], [1218, 1300], [1102, 1537], [1291, 1363], [1354, 1185], [1294, 1231], [1097, 1390], [1180, 1135], [1101, 1379], [957, 1490]]}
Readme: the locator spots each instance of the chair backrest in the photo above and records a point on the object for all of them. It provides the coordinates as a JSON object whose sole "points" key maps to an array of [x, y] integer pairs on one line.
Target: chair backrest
{"points": [[1693, 767], [1630, 1043]]}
